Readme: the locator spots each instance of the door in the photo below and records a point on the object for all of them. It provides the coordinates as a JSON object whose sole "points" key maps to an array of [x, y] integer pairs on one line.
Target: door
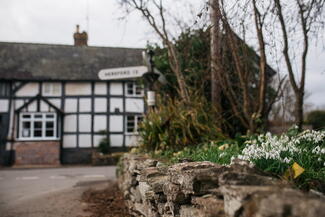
{"points": [[4, 125]]}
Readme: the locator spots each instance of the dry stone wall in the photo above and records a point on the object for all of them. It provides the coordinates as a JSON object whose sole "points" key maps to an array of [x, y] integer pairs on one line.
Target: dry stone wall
{"points": [[205, 189]]}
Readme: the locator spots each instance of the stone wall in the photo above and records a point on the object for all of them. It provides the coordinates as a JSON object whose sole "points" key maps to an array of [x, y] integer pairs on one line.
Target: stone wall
{"points": [[37, 153], [205, 189]]}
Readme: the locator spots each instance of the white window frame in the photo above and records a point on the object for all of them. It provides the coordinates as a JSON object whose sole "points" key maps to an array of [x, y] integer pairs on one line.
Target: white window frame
{"points": [[43, 119], [136, 124], [50, 89], [134, 87]]}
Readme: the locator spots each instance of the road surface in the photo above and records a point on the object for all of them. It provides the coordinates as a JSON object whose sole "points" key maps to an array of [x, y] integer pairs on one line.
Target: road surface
{"points": [[49, 192]]}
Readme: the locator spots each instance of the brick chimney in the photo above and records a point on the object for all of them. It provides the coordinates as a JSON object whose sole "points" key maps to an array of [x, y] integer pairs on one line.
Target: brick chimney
{"points": [[80, 39]]}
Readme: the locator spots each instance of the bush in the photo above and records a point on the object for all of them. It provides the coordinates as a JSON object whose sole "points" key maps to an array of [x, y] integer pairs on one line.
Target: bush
{"points": [[316, 119], [103, 146], [176, 125]]}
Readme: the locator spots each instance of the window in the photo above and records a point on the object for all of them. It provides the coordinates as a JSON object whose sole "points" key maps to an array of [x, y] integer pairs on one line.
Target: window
{"points": [[37, 126], [4, 89], [50, 89], [134, 89], [132, 123]]}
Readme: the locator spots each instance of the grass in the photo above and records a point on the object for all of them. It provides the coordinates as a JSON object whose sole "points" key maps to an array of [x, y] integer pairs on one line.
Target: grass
{"points": [[273, 154]]}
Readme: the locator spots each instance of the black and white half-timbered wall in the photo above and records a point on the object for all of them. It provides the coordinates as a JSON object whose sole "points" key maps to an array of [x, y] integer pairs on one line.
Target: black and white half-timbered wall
{"points": [[53, 107]]}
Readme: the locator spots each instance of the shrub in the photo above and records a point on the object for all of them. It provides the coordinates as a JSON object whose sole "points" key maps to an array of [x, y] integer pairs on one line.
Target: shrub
{"points": [[316, 119], [176, 125], [103, 146]]}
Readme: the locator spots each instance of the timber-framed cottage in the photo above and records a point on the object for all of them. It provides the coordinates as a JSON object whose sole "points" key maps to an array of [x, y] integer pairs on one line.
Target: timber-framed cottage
{"points": [[55, 110]]}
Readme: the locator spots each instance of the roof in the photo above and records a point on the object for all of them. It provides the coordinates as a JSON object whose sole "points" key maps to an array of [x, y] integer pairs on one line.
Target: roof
{"points": [[28, 61]]}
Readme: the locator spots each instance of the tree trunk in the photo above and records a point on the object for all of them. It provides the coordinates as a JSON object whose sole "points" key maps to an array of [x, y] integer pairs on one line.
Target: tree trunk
{"points": [[299, 111], [216, 60]]}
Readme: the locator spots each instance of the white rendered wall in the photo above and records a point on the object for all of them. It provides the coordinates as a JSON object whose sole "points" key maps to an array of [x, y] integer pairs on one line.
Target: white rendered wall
{"points": [[100, 123], [134, 105], [116, 123], [84, 141], [70, 141], [78, 88], [84, 104], [55, 102], [19, 103], [116, 140], [116, 103], [70, 123], [100, 104], [29, 89], [4, 105], [100, 88], [32, 107], [44, 106], [116, 88], [70, 105], [85, 123]]}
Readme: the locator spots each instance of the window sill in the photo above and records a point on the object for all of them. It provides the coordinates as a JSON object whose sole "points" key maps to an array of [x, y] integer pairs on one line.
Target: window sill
{"points": [[37, 139]]}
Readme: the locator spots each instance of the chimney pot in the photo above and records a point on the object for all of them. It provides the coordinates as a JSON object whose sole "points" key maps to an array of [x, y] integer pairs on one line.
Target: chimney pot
{"points": [[80, 39]]}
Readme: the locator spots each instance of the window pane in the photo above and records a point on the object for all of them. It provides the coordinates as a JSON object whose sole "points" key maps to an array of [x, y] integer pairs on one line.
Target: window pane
{"points": [[26, 129], [138, 89], [26, 116], [50, 115], [49, 124], [49, 133], [130, 89], [38, 116], [37, 133], [38, 125]]}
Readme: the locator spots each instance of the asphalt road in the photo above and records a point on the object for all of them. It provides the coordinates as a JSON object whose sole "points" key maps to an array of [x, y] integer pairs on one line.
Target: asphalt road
{"points": [[49, 192]]}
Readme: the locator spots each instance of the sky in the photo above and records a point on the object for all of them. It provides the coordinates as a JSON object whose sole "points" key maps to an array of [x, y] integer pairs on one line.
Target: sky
{"points": [[54, 21]]}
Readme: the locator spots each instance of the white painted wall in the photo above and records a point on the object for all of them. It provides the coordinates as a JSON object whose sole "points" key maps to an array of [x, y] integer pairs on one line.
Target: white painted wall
{"points": [[116, 140], [116, 88], [56, 102], [134, 105], [101, 88], [19, 103], [32, 107], [84, 141], [70, 123], [69, 141], [29, 89], [44, 106], [70, 105], [78, 88], [4, 105], [100, 104], [116, 103], [100, 122], [85, 123], [84, 104], [116, 123]]}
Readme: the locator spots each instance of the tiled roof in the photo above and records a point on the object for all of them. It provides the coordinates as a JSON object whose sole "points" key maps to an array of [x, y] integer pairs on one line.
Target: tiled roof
{"points": [[26, 61]]}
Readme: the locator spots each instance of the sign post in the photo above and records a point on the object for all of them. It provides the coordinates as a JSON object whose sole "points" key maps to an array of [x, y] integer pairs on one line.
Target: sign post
{"points": [[122, 73]]}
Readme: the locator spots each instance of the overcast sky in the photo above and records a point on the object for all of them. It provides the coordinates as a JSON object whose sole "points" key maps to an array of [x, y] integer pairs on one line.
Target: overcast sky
{"points": [[53, 22]]}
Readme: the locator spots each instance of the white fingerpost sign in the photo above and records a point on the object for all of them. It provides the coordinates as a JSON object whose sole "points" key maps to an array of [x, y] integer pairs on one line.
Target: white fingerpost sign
{"points": [[122, 73]]}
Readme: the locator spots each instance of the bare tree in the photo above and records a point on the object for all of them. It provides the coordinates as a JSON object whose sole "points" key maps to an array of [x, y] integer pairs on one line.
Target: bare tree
{"points": [[143, 7], [215, 50], [308, 13], [240, 72]]}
